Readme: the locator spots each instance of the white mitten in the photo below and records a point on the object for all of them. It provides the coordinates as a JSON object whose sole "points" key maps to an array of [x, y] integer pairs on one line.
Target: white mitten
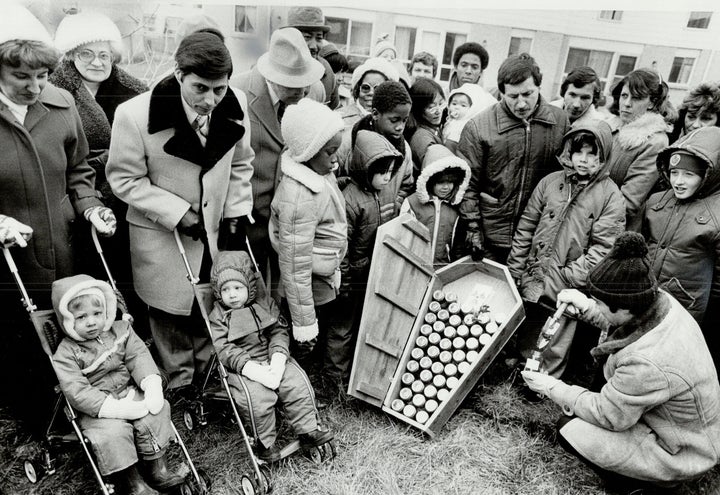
{"points": [[539, 382], [277, 366], [14, 233], [577, 301], [125, 408], [260, 373], [102, 218], [152, 386]]}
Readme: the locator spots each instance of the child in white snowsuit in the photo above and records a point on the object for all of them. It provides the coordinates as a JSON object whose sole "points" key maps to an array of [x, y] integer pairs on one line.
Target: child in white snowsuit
{"points": [[440, 188], [252, 341], [107, 374]]}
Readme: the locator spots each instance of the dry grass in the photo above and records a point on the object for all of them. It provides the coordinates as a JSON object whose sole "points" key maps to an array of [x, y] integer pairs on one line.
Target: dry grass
{"points": [[495, 444]]}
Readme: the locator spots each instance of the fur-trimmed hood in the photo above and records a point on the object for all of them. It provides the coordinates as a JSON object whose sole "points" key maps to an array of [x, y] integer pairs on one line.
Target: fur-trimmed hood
{"points": [[66, 289], [369, 148], [703, 143], [637, 132], [603, 137], [302, 173], [438, 159]]}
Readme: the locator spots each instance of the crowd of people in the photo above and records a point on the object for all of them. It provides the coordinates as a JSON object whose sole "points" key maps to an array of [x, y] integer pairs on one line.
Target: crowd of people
{"points": [[613, 210]]}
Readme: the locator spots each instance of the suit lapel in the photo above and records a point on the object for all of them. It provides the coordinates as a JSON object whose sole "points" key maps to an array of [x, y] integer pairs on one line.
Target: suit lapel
{"points": [[261, 105]]}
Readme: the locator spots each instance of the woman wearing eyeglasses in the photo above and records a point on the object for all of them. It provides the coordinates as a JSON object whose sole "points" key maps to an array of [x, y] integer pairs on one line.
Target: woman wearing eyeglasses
{"points": [[91, 45]]}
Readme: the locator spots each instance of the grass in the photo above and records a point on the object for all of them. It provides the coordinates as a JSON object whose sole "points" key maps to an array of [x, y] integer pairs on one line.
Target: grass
{"points": [[495, 444]]}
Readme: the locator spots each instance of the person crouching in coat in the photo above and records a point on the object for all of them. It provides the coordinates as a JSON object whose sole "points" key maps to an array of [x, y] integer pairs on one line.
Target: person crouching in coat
{"points": [[569, 225], [308, 228], [657, 418], [440, 189]]}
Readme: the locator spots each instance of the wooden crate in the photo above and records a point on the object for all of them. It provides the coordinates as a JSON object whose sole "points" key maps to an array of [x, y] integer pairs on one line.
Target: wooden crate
{"points": [[400, 289]]}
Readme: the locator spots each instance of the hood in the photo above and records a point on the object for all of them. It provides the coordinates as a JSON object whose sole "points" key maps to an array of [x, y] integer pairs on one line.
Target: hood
{"points": [[637, 132], [475, 93], [703, 143], [369, 148], [66, 289], [438, 159], [603, 135], [233, 265]]}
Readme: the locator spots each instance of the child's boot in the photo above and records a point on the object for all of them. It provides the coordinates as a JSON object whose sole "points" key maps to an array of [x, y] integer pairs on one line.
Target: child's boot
{"points": [[268, 454], [315, 438], [130, 482], [159, 476]]}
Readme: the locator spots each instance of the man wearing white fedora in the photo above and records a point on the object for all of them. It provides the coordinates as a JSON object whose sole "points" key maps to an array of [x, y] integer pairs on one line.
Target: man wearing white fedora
{"points": [[310, 21], [281, 77]]}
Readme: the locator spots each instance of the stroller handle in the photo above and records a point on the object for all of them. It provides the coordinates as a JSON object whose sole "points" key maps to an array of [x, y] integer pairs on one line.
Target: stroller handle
{"points": [[190, 276], [27, 301], [99, 249]]}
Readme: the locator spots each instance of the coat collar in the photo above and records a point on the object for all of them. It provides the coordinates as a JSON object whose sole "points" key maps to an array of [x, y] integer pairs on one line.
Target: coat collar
{"points": [[637, 132], [301, 173], [50, 97], [261, 104], [506, 120], [166, 112]]}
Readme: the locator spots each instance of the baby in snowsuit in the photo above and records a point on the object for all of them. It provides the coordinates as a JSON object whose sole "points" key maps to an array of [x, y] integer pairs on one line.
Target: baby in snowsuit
{"points": [[252, 341], [107, 373]]}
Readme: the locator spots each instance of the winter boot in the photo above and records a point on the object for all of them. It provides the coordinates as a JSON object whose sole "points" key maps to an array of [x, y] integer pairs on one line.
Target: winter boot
{"points": [[268, 454], [159, 476], [315, 438], [130, 482]]}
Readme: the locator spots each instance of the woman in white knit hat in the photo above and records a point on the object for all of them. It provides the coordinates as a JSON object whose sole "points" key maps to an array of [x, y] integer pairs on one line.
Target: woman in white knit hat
{"points": [[91, 44], [45, 185]]}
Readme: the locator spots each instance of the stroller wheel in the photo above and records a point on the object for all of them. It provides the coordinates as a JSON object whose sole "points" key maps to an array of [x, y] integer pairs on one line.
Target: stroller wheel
{"points": [[250, 485], [192, 487], [34, 471], [189, 419], [322, 453]]}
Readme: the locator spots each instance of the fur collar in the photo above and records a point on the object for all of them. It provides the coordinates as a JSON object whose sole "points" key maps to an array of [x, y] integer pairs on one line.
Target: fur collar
{"points": [[301, 173], [438, 166], [166, 112], [637, 132], [630, 332]]}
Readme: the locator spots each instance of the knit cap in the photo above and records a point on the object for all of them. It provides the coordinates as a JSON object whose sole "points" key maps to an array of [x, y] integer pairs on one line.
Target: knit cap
{"points": [[624, 278], [18, 23], [328, 49], [236, 266], [79, 29], [381, 65], [687, 161], [307, 126], [384, 44]]}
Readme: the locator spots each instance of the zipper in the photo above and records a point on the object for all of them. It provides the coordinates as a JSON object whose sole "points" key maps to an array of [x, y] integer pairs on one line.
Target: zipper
{"points": [[521, 196]]}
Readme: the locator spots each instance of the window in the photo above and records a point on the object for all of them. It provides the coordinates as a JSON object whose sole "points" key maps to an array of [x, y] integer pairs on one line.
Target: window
{"points": [[699, 20], [352, 38], [681, 69], [245, 19], [625, 65], [611, 15], [519, 45], [452, 41], [405, 42], [610, 67]]}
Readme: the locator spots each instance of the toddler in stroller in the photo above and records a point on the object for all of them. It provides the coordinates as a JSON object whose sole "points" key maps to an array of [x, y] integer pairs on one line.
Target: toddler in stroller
{"points": [[252, 340], [106, 372]]}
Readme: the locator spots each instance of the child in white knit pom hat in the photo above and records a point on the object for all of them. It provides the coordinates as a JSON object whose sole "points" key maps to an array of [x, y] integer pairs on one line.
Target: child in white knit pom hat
{"points": [[307, 225]]}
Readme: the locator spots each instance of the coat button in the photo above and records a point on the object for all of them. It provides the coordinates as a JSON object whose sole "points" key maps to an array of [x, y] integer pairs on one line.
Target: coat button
{"points": [[552, 214], [663, 246], [205, 204]]}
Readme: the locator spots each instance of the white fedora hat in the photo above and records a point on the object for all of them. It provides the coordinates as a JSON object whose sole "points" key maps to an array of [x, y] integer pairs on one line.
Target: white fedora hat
{"points": [[288, 61]]}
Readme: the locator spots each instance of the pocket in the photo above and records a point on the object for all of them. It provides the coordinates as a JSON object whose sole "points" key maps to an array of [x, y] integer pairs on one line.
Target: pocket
{"points": [[325, 261], [488, 200], [674, 287]]}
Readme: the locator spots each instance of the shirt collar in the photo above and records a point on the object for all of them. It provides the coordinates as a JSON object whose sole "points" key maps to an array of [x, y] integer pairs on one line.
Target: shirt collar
{"points": [[190, 113], [274, 98], [18, 111]]}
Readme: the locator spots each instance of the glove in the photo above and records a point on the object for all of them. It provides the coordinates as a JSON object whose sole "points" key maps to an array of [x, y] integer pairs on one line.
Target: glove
{"points": [[14, 233], [191, 226], [102, 218], [260, 373], [277, 366], [125, 408], [475, 245], [539, 383], [231, 236], [577, 301], [152, 386]]}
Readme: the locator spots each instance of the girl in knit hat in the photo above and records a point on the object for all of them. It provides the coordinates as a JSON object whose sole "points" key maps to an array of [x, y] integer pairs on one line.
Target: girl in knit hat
{"points": [[682, 228], [307, 225], [657, 417], [252, 342]]}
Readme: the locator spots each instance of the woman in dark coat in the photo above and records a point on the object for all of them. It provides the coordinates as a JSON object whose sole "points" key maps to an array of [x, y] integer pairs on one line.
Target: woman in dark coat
{"points": [[423, 128]]}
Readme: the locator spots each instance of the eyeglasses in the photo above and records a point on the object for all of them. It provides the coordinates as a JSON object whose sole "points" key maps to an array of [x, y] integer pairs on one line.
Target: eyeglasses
{"points": [[366, 88], [88, 56]]}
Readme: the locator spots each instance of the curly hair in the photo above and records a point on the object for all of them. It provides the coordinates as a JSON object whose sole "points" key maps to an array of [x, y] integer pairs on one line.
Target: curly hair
{"points": [[704, 98], [34, 54], [474, 48], [425, 58], [641, 83], [388, 95]]}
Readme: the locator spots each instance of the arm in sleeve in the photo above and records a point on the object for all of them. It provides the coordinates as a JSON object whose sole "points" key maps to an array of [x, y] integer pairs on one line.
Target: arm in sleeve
{"points": [[138, 359], [605, 229], [79, 174], [407, 184], [232, 356], [351, 215], [522, 240], [641, 176], [127, 173], [78, 390], [279, 335], [239, 200], [471, 149]]}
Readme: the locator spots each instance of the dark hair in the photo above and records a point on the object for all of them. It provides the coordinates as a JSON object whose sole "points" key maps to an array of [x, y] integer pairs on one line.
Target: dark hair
{"points": [[642, 83], [205, 55], [388, 95], [34, 54], [384, 164], [580, 139], [704, 98], [582, 76], [212, 30], [356, 88], [456, 175], [425, 58], [474, 48], [422, 94], [338, 62], [516, 68]]}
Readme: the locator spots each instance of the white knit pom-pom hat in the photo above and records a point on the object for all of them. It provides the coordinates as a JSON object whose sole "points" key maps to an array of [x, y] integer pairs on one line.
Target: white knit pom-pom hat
{"points": [[86, 27], [307, 126]]}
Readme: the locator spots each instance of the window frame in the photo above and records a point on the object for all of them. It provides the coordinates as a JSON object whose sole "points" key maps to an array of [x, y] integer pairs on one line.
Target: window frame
{"points": [[689, 19], [615, 16]]}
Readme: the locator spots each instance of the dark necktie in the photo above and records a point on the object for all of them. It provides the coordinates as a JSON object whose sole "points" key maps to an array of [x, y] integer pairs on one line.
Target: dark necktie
{"points": [[281, 110]]}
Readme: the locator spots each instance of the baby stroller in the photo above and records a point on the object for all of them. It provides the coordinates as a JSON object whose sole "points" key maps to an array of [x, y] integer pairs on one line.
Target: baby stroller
{"points": [[257, 481], [47, 329]]}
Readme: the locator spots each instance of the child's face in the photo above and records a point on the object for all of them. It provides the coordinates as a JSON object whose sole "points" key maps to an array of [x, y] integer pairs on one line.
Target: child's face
{"points": [[684, 183], [443, 188], [325, 160], [433, 112], [585, 162], [392, 124], [459, 106], [381, 180], [234, 294], [89, 319]]}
